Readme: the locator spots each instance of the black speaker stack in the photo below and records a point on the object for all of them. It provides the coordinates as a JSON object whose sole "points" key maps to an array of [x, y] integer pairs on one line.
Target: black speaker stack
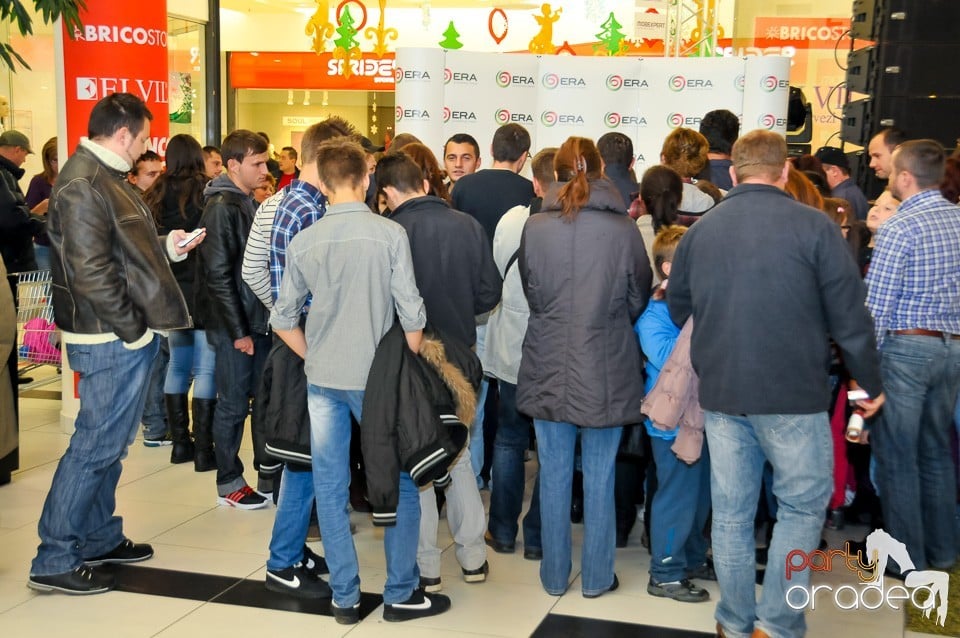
{"points": [[906, 75]]}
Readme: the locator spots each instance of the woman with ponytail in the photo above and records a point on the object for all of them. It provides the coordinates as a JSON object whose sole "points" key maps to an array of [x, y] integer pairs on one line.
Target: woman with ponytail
{"points": [[587, 278], [660, 193]]}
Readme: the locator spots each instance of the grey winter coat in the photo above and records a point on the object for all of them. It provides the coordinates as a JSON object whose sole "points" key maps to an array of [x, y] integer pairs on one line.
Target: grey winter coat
{"points": [[586, 281]]}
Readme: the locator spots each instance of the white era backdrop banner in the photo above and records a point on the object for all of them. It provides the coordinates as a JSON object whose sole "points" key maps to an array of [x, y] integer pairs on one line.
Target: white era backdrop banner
{"points": [[440, 93]]}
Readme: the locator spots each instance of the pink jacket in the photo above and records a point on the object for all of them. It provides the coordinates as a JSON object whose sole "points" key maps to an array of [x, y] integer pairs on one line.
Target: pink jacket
{"points": [[674, 400]]}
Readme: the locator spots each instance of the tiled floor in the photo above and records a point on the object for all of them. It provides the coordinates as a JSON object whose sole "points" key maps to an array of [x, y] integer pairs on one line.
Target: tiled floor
{"points": [[174, 508]]}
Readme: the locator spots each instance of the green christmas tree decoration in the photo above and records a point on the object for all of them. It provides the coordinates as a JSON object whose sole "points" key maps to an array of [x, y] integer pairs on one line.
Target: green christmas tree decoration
{"points": [[611, 40], [451, 38], [345, 30]]}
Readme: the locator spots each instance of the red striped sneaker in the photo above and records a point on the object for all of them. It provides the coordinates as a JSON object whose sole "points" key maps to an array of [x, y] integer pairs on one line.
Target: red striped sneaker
{"points": [[244, 499]]}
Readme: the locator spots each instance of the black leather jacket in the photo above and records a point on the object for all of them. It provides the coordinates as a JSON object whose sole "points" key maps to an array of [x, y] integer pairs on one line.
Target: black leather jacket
{"points": [[110, 273], [223, 300]]}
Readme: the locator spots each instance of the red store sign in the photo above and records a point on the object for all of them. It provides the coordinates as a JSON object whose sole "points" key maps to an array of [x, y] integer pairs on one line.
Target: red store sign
{"points": [[121, 48], [307, 70]]}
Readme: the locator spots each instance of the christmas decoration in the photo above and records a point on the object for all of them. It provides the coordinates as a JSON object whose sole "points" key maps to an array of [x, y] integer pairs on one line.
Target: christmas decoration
{"points": [[362, 7], [347, 46], [543, 41], [320, 27], [498, 37], [565, 49], [611, 41], [451, 38], [380, 33]]}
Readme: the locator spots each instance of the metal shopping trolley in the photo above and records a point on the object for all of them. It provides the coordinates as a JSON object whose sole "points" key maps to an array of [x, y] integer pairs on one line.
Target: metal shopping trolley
{"points": [[38, 339]]}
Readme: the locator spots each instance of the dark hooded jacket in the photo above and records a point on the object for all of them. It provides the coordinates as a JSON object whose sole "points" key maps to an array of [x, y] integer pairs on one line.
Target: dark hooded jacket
{"points": [[414, 413], [586, 281], [17, 224], [222, 299]]}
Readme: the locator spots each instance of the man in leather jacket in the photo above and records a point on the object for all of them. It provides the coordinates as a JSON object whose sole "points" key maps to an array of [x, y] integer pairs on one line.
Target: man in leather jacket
{"points": [[112, 289], [235, 320]]}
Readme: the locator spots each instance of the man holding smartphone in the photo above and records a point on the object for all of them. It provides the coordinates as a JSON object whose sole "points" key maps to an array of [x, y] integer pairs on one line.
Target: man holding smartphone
{"points": [[112, 289]]}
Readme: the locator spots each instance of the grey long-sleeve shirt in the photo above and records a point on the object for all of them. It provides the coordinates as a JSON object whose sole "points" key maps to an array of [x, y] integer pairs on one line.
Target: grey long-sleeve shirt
{"points": [[358, 267]]}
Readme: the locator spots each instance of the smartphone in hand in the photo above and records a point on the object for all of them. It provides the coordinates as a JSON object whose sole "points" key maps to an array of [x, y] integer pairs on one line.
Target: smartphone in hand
{"points": [[192, 237]]}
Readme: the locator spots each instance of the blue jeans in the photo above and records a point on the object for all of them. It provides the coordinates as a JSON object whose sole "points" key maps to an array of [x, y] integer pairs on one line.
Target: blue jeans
{"points": [[679, 513], [292, 518], [191, 359], [556, 443], [154, 417], [800, 449], [238, 376], [506, 498], [78, 515], [330, 449], [911, 444], [42, 255]]}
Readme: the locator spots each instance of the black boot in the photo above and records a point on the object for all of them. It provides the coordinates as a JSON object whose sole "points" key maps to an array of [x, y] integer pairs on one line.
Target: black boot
{"points": [[179, 420], [203, 459]]}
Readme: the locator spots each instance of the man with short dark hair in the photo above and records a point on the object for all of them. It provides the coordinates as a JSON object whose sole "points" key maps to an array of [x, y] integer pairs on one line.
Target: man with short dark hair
{"points": [[18, 224], [881, 149], [616, 151], [146, 171], [721, 128], [288, 166], [486, 195], [913, 284], [461, 156], [233, 317], [842, 186], [359, 264], [458, 280], [112, 290], [776, 338], [212, 161]]}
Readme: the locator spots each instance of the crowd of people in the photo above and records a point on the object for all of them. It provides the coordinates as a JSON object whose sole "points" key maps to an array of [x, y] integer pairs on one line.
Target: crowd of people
{"points": [[684, 342]]}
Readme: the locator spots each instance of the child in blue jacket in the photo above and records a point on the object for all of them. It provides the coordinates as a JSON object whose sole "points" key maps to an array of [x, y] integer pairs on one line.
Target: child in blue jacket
{"points": [[681, 503]]}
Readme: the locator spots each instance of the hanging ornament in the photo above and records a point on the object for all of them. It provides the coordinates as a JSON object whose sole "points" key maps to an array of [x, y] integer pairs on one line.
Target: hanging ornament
{"points": [[565, 49], [363, 8], [543, 41], [380, 33], [347, 46], [611, 40], [451, 38], [498, 37], [320, 27]]}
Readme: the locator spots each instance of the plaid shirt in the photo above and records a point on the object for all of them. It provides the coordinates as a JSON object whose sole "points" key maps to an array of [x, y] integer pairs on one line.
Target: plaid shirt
{"points": [[914, 276], [303, 205]]}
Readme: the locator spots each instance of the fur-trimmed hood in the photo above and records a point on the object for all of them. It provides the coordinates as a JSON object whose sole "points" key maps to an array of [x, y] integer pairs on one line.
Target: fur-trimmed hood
{"points": [[465, 398]]}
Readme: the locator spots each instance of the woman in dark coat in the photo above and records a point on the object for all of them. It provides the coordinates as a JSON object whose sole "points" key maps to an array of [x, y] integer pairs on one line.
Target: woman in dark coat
{"points": [[587, 278], [176, 200]]}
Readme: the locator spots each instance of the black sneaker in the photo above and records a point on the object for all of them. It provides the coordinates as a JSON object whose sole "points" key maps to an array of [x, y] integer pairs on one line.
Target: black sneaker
{"points": [[431, 585], [345, 615], [125, 552], [532, 553], [81, 581], [477, 575], [297, 581], [614, 587], [680, 590], [704, 571], [314, 563], [161, 442], [497, 546], [419, 605], [244, 499]]}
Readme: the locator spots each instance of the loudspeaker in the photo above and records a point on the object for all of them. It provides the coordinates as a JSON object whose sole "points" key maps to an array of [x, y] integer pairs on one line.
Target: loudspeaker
{"points": [[905, 20], [923, 117], [894, 68]]}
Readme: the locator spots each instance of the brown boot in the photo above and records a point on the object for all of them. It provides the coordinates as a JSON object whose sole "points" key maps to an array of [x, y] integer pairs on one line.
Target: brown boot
{"points": [[759, 633], [720, 633]]}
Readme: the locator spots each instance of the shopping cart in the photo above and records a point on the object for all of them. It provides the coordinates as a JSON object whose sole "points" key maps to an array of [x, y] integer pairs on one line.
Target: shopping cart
{"points": [[38, 339]]}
